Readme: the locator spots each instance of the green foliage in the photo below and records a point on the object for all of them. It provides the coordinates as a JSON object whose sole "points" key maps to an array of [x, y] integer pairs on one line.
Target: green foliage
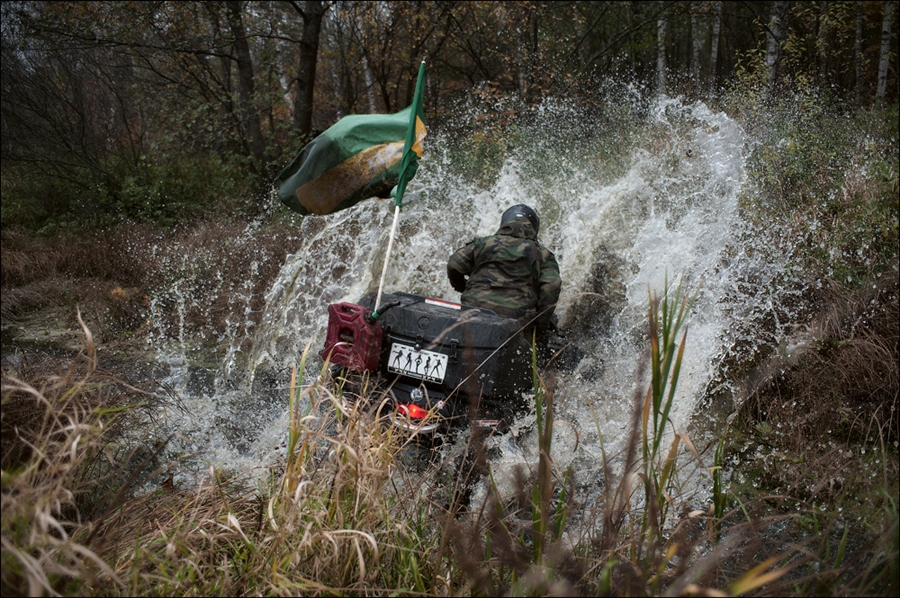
{"points": [[178, 188], [828, 174], [168, 189], [35, 203]]}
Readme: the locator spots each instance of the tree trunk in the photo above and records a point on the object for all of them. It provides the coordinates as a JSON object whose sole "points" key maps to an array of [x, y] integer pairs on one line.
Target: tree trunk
{"points": [[714, 45], [858, 53], [885, 52], [311, 11], [773, 41], [661, 25], [631, 43], [696, 42], [370, 85], [247, 113], [822, 43]]}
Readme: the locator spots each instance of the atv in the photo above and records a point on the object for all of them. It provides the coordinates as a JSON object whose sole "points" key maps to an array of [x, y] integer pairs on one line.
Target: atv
{"points": [[439, 364]]}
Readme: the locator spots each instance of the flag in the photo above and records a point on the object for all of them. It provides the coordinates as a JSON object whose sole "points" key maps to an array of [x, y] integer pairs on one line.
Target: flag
{"points": [[360, 156], [415, 133]]}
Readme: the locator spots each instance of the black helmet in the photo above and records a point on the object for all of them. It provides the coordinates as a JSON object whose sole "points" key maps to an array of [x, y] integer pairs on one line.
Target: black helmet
{"points": [[521, 211]]}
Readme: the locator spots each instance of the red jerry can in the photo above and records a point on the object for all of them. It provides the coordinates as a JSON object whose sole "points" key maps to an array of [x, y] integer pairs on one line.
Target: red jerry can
{"points": [[352, 341]]}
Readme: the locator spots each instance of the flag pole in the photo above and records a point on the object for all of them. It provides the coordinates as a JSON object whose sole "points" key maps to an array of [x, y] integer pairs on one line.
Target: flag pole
{"points": [[387, 258], [409, 164]]}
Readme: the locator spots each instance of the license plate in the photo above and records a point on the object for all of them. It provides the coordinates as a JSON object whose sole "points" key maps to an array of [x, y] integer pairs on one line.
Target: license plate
{"points": [[424, 365]]}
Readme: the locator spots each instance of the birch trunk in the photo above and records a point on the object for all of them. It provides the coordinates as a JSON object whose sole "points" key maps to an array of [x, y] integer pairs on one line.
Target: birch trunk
{"points": [[773, 41], [696, 41], [858, 54], [714, 44], [885, 52], [661, 25]]}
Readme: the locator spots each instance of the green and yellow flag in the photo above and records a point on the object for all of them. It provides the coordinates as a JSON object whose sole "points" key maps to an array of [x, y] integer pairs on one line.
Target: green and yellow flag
{"points": [[360, 156]]}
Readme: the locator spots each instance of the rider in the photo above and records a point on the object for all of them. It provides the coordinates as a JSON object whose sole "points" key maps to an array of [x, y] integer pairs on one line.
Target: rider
{"points": [[509, 272]]}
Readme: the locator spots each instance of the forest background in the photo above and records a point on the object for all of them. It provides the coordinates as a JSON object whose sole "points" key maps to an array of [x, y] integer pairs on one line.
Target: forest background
{"points": [[133, 132], [162, 111]]}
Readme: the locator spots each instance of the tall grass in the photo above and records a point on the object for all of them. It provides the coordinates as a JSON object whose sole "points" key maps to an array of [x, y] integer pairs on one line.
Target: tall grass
{"points": [[343, 513], [60, 476]]}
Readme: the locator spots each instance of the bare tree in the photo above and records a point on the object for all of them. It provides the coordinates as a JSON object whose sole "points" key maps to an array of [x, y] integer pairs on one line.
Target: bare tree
{"points": [[821, 41], [370, 85], [341, 56], [111, 101]]}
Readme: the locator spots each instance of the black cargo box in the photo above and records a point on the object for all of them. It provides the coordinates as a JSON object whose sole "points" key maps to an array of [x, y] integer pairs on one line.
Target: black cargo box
{"points": [[458, 347]]}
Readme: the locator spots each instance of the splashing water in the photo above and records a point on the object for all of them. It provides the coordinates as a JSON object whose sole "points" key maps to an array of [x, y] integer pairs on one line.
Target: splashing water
{"points": [[620, 224]]}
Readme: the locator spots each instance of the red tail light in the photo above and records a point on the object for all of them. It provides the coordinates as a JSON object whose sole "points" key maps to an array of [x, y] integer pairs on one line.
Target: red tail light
{"points": [[412, 410]]}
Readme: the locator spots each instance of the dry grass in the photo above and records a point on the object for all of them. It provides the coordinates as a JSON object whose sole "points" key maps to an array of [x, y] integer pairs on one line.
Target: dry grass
{"points": [[336, 516], [54, 276], [817, 439], [855, 365], [57, 472], [342, 514], [827, 416], [224, 267], [111, 276]]}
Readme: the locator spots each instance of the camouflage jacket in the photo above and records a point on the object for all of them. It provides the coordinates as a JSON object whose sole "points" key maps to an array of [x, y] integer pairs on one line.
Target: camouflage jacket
{"points": [[509, 273]]}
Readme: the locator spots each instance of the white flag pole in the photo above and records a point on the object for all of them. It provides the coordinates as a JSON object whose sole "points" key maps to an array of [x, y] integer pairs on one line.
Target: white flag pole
{"points": [[387, 258]]}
